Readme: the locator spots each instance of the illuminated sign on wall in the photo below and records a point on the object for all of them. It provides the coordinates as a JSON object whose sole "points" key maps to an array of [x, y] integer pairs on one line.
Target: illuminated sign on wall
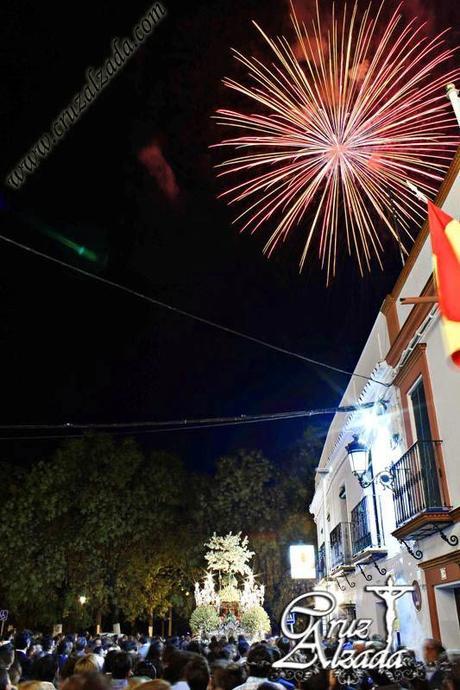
{"points": [[302, 558]]}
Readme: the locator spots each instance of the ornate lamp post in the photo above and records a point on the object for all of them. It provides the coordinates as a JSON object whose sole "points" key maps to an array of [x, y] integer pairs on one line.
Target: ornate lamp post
{"points": [[358, 455]]}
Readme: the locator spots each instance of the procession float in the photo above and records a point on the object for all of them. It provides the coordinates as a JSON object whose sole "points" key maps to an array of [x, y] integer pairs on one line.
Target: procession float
{"points": [[229, 600]]}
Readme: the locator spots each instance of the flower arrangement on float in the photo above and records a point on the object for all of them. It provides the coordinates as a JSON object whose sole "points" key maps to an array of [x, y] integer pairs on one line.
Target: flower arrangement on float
{"points": [[229, 601]]}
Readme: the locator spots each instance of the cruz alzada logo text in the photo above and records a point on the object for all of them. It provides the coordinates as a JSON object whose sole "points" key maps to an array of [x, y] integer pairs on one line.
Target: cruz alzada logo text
{"points": [[309, 642]]}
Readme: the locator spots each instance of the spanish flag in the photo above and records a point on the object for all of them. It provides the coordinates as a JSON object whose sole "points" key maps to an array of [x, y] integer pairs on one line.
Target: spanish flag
{"points": [[445, 242]]}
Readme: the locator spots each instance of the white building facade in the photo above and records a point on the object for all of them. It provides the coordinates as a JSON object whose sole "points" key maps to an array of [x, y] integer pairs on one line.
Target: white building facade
{"points": [[402, 517]]}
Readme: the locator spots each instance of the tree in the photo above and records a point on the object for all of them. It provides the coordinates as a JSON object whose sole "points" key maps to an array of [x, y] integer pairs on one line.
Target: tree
{"points": [[101, 519], [270, 504], [81, 524], [242, 496], [298, 470]]}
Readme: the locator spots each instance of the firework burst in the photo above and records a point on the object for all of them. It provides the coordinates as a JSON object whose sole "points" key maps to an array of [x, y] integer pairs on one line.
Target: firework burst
{"points": [[344, 120]]}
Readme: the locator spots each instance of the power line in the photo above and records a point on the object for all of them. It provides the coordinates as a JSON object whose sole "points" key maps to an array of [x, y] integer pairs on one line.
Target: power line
{"points": [[172, 425], [182, 312]]}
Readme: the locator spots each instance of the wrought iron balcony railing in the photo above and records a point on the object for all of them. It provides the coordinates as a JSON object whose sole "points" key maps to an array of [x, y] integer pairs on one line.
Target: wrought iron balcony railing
{"points": [[340, 545], [322, 562], [361, 536], [416, 486]]}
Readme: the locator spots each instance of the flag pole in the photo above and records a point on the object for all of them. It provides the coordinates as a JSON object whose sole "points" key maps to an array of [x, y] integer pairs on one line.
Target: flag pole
{"points": [[454, 98], [445, 246], [422, 299]]}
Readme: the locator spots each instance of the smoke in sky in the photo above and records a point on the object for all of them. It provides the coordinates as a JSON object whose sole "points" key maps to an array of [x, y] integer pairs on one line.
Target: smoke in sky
{"points": [[306, 12], [152, 158]]}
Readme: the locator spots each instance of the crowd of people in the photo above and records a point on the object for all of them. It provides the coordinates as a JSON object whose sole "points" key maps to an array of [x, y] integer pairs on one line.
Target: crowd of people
{"points": [[111, 662]]}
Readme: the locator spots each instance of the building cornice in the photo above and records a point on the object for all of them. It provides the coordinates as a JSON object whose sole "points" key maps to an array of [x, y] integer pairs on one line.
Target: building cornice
{"points": [[420, 240], [417, 315], [452, 557], [388, 308]]}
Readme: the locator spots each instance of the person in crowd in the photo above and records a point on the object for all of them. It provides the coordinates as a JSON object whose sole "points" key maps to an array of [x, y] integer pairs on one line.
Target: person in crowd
{"points": [[375, 677], [6, 656], [276, 656], [67, 670], [35, 650], [122, 667], [108, 661], [259, 663], [227, 677], [144, 646], [196, 673], [155, 656], [135, 681], [63, 651], [174, 671], [195, 646], [21, 644], [15, 673], [45, 668], [87, 681], [434, 654], [267, 685], [319, 681], [99, 656], [451, 680], [145, 668], [86, 664], [80, 646], [243, 649], [5, 682], [158, 684], [47, 645], [36, 685]]}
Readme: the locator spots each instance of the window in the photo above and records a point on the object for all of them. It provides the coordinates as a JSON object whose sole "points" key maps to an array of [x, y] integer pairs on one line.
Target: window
{"points": [[360, 531], [424, 439], [420, 412], [420, 423]]}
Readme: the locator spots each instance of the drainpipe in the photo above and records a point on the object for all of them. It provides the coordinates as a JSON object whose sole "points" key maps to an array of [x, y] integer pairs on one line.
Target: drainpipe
{"points": [[323, 472], [376, 511]]}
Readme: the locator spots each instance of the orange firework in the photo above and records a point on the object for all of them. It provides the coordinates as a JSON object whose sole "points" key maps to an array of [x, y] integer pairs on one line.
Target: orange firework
{"points": [[344, 118]]}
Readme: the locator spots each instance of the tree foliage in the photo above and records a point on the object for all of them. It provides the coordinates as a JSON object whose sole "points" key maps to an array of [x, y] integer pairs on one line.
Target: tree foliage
{"points": [[90, 521], [102, 519]]}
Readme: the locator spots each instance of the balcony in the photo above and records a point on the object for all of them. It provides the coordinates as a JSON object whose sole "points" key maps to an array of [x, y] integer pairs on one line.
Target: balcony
{"points": [[420, 509], [322, 562], [361, 536], [363, 547], [340, 546]]}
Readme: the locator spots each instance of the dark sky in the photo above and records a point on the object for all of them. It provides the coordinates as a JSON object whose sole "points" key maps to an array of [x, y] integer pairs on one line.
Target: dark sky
{"points": [[75, 350]]}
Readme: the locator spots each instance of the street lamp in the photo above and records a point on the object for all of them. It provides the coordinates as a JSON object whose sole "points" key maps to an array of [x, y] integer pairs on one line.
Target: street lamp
{"points": [[82, 599], [358, 457], [358, 454]]}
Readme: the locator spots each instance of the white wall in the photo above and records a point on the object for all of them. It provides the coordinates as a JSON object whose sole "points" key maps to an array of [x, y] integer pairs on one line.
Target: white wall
{"points": [[448, 615], [423, 268], [445, 380]]}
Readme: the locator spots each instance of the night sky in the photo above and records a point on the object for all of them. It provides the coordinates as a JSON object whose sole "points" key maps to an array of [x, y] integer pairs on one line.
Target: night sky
{"points": [[73, 350]]}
